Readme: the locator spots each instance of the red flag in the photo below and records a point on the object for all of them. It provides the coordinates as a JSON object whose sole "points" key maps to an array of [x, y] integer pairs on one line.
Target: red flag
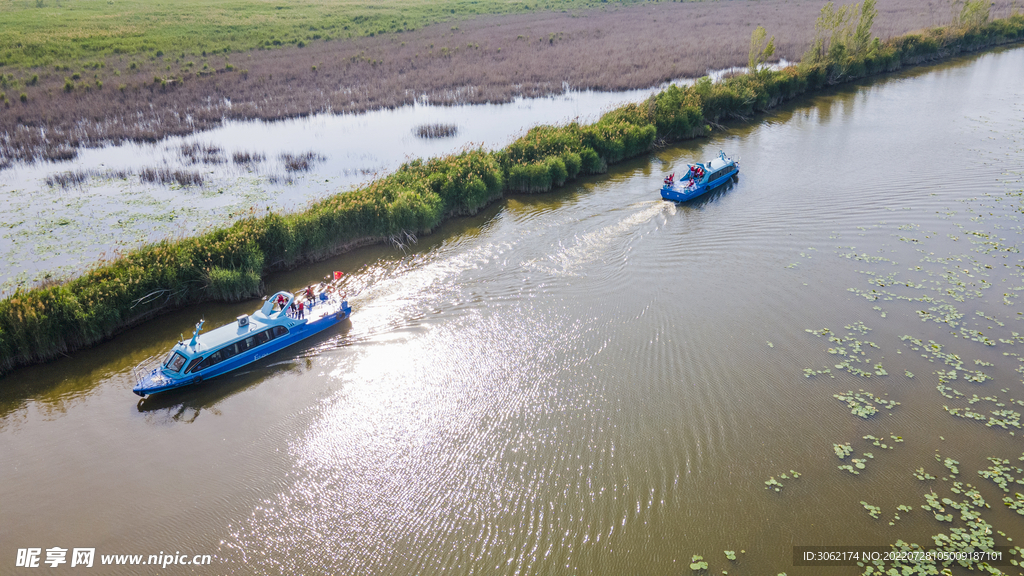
{"points": [[338, 275]]}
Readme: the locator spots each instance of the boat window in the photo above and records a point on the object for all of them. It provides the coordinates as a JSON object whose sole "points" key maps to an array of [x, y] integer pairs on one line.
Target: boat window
{"points": [[250, 342], [210, 361], [192, 364], [263, 337], [175, 362], [280, 331], [227, 351]]}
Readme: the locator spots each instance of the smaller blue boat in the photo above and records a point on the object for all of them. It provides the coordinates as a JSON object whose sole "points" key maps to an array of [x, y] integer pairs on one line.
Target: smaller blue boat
{"points": [[700, 178], [276, 325]]}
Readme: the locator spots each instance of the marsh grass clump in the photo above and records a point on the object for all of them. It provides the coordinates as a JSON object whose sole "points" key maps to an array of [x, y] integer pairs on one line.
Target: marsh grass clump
{"points": [[60, 153], [247, 158], [195, 153], [168, 176], [436, 130], [65, 180], [300, 162]]}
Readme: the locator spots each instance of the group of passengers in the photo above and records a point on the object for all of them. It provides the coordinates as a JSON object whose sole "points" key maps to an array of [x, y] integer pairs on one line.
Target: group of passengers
{"points": [[298, 307], [297, 311]]}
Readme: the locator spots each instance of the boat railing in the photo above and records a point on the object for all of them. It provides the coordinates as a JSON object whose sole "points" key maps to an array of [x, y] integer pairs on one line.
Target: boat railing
{"points": [[145, 368]]}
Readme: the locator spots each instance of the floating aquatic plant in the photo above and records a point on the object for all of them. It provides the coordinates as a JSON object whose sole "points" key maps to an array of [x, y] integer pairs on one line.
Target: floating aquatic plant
{"points": [[842, 450], [698, 563], [920, 474], [879, 442], [863, 403], [809, 372], [951, 464], [1016, 503], [873, 511], [776, 485], [1001, 473]]}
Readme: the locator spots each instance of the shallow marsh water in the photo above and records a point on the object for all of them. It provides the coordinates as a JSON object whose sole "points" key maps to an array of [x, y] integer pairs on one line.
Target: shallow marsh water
{"points": [[594, 381]]}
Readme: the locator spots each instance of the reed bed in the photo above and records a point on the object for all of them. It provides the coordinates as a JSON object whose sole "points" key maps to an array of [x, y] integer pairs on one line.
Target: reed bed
{"points": [[65, 180], [71, 178], [300, 162], [436, 130], [487, 59], [228, 264], [195, 153], [247, 158], [168, 176]]}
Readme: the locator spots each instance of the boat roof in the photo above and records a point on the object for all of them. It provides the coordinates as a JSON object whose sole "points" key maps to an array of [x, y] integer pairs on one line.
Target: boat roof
{"points": [[717, 162], [258, 320]]}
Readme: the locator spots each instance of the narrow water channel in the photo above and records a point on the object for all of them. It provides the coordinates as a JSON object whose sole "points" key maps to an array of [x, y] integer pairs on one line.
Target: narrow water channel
{"points": [[595, 381]]}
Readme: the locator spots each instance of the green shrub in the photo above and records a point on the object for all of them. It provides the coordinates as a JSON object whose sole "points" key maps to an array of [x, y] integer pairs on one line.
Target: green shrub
{"points": [[592, 162]]}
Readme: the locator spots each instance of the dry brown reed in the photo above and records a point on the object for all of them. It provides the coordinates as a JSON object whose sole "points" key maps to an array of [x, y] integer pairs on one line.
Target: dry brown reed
{"points": [[65, 180], [488, 59], [205, 154], [436, 130], [248, 158], [300, 162], [168, 176]]}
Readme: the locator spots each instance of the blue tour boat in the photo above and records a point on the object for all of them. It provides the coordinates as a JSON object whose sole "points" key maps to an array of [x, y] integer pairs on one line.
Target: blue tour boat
{"points": [[700, 178], [251, 337]]}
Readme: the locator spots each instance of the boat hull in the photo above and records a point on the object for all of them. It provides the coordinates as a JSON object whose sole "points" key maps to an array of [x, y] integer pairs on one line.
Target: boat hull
{"points": [[156, 381], [678, 192]]}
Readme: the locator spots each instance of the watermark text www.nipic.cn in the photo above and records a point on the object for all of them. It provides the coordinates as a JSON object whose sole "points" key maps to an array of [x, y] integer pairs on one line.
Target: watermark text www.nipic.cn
{"points": [[86, 557]]}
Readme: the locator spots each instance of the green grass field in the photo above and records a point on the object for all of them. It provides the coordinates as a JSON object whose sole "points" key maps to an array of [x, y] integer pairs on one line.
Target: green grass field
{"points": [[55, 32]]}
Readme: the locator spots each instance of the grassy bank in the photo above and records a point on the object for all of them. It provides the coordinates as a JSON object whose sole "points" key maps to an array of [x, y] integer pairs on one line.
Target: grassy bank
{"points": [[59, 32], [228, 264]]}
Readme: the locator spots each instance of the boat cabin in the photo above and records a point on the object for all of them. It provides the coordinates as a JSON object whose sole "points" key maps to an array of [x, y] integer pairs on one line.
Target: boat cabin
{"points": [[228, 341]]}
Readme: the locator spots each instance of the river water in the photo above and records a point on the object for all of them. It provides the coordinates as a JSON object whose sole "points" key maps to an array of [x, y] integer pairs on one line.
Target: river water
{"points": [[594, 381]]}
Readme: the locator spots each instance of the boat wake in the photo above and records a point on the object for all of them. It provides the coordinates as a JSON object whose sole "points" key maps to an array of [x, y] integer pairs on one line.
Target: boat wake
{"points": [[592, 246]]}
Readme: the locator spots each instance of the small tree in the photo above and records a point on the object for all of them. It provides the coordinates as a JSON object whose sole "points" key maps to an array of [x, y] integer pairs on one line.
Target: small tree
{"points": [[828, 29], [971, 14], [836, 35], [861, 38], [760, 50]]}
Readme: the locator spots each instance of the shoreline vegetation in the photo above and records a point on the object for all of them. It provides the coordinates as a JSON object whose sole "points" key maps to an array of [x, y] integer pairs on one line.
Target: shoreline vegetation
{"points": [[71, 78], [228, 264]]}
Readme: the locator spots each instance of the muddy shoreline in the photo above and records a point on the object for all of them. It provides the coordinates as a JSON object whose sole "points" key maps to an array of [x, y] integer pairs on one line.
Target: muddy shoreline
{"points": [[487, 59]]}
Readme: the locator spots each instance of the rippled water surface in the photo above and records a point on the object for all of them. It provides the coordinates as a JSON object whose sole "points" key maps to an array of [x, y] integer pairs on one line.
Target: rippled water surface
{"points": [[595, 381]]}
